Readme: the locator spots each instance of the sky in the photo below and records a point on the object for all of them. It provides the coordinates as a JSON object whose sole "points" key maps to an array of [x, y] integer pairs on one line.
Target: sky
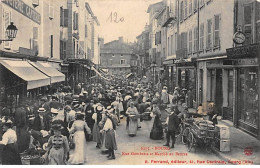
{"points": [[125, 18]]}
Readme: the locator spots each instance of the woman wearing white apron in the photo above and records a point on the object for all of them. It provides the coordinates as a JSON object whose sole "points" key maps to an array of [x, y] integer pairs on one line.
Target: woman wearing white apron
{"points": [[133, 121]]}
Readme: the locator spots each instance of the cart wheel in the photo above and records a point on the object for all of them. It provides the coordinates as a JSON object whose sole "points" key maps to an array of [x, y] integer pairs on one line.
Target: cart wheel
{"points": [[179, 131], [184, 135], [190, 141]]}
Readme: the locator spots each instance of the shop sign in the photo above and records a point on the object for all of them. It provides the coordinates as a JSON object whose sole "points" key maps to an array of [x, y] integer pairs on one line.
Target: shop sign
{"points": [[168, 62], [250, 51], [245, 62], [214, 63], [24, 9]]}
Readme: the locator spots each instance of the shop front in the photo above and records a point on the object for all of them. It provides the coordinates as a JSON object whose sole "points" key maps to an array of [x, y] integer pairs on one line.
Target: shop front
{"points": [[170, 74], [20, 80], [186, 79], [244, 59]]}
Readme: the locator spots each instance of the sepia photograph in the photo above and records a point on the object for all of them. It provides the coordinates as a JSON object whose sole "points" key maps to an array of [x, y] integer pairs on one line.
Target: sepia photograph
{"points": [[129, 82]]}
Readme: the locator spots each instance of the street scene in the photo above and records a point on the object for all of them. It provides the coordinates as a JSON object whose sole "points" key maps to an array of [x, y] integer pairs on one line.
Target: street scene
{"points": [[129, 82]]}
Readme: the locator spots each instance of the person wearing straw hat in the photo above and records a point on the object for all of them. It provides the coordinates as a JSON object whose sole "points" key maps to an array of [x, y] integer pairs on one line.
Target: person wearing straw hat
{"points": [[41, 121], [9, 140], [57, 148], [79, 130]]}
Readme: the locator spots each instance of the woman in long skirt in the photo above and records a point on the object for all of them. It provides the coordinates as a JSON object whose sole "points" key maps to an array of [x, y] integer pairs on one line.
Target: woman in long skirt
{"points": [[110, 143], [133, 122], [157, 129], [78, 156], [57, 148], [97, 116], [10, 150]]}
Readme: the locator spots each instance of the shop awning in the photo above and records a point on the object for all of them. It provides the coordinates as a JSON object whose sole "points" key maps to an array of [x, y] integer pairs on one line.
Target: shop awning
{"points": [[48, 70], [98, 73], [27, 72]]}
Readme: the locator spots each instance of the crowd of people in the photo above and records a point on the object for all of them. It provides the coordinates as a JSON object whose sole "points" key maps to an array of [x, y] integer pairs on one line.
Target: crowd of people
{"points": [[61, 124]]}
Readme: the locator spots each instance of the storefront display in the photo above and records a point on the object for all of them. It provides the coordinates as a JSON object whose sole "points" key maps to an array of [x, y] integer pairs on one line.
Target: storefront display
{"points": [[248, 95]]}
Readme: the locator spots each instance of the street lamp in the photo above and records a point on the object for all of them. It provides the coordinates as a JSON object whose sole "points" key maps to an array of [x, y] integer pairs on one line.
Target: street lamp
{"points": [[11, 32]]}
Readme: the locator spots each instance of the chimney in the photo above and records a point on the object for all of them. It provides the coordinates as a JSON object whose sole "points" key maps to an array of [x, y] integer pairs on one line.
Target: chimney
{"points": [[121, 40]]}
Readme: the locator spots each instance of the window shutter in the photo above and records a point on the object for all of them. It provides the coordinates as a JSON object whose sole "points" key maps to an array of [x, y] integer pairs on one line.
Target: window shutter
{"points": [[61, 50], [74, 19], [61, 16], [66, 15], [51, 46], [77, 21]]}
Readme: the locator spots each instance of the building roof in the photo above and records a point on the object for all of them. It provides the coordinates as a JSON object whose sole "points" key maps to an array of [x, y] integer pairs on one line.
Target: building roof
{"points": [[116, 46], [155, 6], [160, 12]]}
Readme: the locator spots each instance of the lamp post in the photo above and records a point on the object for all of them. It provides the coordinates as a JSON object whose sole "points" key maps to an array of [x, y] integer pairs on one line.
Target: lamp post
{"points": [[11, 32]]}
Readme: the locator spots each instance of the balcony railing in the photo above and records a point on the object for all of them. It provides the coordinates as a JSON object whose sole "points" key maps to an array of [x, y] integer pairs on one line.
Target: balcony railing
{"points": [[170, 17], [182, 53]]}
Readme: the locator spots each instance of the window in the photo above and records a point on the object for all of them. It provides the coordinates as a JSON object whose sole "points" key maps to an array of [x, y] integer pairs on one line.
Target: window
{"points": [[195, 5], [195, 34], [216, 30], [113, 55], [209, 34], [64, 17], [190, 7], [121, 55], [51, 9], [248, 95], [201, 36], [190, 41], [182, 12], [122, 61], [51, 46], [247, 24], [63, 45], [185, 9], [110, 61], [75, 21]]}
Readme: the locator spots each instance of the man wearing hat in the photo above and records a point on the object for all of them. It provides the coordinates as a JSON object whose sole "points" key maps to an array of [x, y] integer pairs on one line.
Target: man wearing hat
{"points": [[45, 104], [41, 121], [172, 122]]}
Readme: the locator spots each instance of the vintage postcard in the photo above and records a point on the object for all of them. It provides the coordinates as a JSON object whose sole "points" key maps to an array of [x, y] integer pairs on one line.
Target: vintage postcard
{"points": [[129, 82]]}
